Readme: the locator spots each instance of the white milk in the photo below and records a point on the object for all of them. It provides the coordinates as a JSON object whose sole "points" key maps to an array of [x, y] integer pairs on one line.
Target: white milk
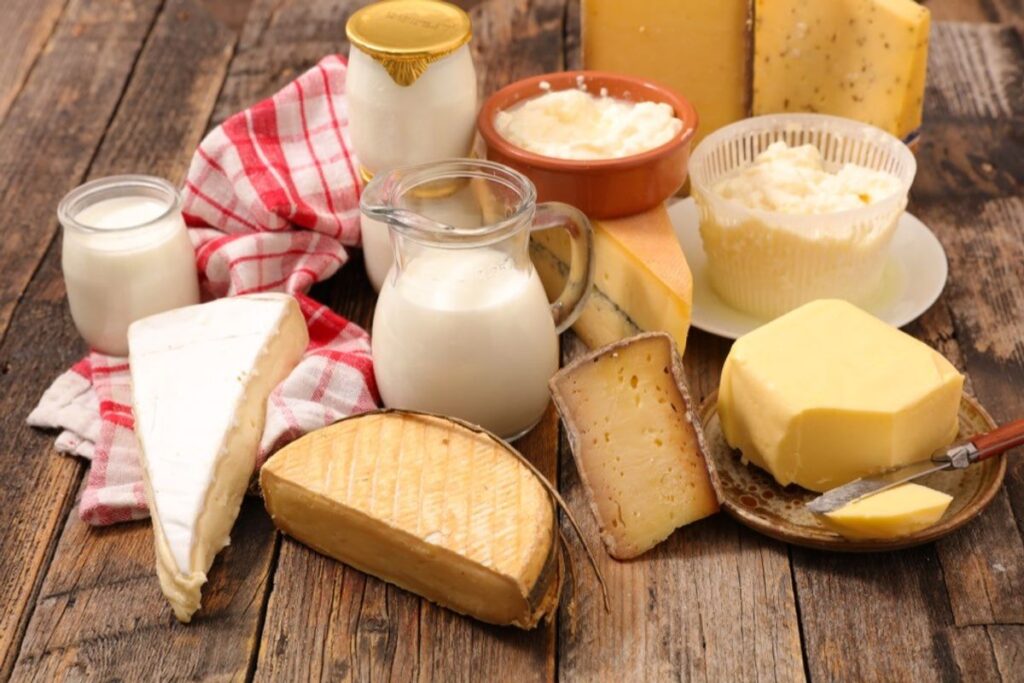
{"points": [[116, 272], [377, 253], [466, 333]]}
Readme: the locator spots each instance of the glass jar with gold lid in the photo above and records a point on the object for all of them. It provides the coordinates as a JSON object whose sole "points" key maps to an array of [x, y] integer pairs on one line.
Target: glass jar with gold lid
{"points": [[411, 91]]}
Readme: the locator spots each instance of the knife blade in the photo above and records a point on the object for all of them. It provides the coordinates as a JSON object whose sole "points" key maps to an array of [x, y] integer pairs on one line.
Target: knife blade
{"points": [[830, 501], [977, 449]]}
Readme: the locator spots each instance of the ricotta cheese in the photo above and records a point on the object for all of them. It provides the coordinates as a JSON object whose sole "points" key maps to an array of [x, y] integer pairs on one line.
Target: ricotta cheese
{"points": [[573, 124], [795, 180]]}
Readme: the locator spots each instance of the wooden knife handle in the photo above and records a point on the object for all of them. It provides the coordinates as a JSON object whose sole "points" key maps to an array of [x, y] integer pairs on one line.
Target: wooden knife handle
{"points": [[999, 440]]}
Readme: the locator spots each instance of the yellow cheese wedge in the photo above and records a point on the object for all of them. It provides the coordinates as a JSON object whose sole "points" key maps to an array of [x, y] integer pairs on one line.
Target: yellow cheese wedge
{"points": [[700, 48], [900, 511], [637, 444], [427, 504], [828, 393], [641, 279], [862, 59]]}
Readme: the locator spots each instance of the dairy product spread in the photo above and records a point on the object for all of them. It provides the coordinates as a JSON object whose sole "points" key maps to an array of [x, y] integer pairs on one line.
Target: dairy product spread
{"points": [[828, 393], [795, 180], [896, 512], [573, 124]]}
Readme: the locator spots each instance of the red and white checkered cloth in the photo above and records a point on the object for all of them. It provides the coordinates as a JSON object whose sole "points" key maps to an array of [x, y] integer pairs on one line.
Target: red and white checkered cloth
{"points": [[271, 197]]}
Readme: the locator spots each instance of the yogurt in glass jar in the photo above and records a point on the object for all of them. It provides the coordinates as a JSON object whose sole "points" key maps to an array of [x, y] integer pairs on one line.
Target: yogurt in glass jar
{"points": [[412, 96], [126, 255]]}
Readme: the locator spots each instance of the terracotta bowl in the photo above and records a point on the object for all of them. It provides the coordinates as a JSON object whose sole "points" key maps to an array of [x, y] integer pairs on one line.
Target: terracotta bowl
{"points": [[602, 188]]}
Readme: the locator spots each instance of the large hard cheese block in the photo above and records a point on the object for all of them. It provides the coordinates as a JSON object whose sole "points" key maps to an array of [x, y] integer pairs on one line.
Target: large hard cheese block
{"points": [[862, 59], [641, 279], [201, 376], [637, 444], [425, 503], [899, 511], [828, 393], [700, 48]]}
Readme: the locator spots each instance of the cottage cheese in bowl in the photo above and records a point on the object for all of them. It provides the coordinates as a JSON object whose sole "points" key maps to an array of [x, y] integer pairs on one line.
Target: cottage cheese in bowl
{"points": [[574, 124], [798, 207]]}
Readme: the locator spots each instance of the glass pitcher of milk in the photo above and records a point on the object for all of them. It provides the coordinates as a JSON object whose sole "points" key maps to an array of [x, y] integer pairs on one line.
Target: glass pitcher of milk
{"points": [[463, 326]]}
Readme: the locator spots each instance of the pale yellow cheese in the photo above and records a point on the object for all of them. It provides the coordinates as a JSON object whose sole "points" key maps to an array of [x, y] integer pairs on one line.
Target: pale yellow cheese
{"points": [[637, 444], [899, 511], [700, 48], [861, 59], [427, 504], [828, 393], [641, 278]]}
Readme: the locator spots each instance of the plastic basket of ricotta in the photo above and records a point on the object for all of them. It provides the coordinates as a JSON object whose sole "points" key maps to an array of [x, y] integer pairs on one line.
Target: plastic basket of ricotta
{"points": [[798, 207]]}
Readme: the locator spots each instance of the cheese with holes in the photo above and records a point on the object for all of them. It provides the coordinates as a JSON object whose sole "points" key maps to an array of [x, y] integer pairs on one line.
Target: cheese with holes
{"points": [[201, 376], [637, 444], [862, 59], [428, 504], [899, 511], [641, 279], [700, 48], [828, 393]]}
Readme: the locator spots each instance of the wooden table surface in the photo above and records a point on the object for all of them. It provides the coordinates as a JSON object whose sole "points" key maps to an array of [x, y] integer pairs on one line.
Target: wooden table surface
{"points": [[90, 88]]}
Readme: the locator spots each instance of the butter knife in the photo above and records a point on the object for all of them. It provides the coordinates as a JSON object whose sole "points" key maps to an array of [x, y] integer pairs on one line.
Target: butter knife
{"points": [[976, 449]]}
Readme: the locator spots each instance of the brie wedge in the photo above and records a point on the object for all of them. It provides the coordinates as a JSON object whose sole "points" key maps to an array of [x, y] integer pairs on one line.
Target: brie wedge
{"points": [[201, 376]]}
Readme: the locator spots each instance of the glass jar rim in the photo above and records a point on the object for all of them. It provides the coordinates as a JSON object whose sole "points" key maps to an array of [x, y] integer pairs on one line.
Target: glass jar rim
{"points": [[108, 188], [379, 201]]}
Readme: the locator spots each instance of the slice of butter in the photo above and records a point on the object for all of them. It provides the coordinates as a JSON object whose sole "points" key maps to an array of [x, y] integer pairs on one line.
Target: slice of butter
{"points": [[427, 504], [641, 279], [899, 511], [828, 393], [637, 444]]}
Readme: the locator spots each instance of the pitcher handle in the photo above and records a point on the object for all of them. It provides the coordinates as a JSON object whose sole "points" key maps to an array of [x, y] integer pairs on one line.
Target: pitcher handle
{"points": [[569, 304]]}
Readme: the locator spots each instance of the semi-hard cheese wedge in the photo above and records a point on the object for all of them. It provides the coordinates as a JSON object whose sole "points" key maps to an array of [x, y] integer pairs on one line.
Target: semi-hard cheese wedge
{"points": [[641, 279], [862, 59], [899, 511], [700, 48], [828, 393], [201, 376], [637, 444], [426, 503]]}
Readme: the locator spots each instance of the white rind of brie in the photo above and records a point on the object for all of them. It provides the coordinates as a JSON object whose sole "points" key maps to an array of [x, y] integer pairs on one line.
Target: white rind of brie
{"points": [[201, 377]]}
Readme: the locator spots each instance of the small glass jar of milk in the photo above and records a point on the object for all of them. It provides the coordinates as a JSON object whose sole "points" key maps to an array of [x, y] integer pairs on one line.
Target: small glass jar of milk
{"points": [[463, 326], [412, 96], [126, 255]]}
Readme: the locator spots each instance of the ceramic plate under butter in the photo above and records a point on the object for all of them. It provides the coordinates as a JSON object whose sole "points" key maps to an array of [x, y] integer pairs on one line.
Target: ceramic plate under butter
{"points": [[756, 500]]}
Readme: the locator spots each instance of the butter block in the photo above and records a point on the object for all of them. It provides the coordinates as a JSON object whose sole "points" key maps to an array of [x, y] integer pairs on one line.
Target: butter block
{"points": [[699, 48], [899, 511], [637, 444], [201, 377], [828, 393], [862, 59], [641, 279], [425, 503]]}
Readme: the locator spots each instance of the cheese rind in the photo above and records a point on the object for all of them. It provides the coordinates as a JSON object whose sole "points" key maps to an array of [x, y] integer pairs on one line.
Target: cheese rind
{"points": [[699, 48], [828, 393], [899, 511], [201, 376], [641, 278], [862, 59], [425, 503], [637, 444]]}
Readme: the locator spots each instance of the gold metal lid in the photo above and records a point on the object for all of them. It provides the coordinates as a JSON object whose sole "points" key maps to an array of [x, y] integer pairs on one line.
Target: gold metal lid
{"points": [[406, 36]]}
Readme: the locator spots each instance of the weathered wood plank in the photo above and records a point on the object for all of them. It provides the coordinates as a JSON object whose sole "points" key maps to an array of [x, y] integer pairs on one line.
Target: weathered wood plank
{"points": [[1008, 648], [352, 626], [52, 128], [713, 602], [27, 27], [47, 139], [100, 613]]}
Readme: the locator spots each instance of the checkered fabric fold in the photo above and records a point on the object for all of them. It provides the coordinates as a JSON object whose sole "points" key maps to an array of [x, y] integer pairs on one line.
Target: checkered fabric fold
{"points": [[271, 200]]}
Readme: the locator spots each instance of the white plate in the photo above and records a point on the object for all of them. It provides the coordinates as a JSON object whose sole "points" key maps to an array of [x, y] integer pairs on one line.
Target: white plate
{"points": [[913, 279]]}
